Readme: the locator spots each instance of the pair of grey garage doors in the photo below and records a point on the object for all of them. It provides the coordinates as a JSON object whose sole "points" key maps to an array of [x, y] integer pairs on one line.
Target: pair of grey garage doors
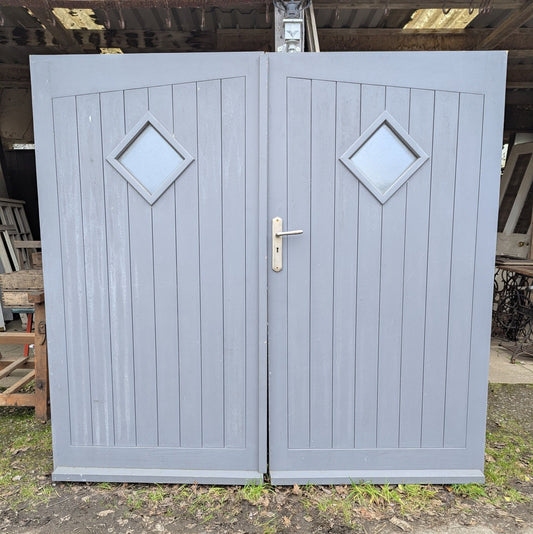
{"points": [[177, 320]]}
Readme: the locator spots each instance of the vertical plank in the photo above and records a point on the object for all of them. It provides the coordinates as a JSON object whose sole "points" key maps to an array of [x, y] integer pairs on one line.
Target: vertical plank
{"points": [[75, 293], [234, 258], [439, 257], [390, 321], [368, 291], [322, 240], [188, 266], [142, 288], [462, 268], [257, 262], [118, 255], [211, 262], [96, 278], [415, 273], [42, 390], [296, 260], [166, 290], [345, 273]]}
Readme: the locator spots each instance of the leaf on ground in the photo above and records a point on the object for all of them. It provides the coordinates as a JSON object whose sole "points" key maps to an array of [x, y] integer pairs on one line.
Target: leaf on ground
{"points": [[296, 490], [308, 518], [286, 521]]}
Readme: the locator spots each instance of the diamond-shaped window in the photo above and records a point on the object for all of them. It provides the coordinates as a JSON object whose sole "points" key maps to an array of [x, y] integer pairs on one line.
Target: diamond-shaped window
{"points": [[384, 157], [149, 158]]}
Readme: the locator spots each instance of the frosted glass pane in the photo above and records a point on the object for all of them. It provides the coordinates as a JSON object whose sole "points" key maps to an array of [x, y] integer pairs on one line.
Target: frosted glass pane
{"points": [[383, 158], [150, 159]]}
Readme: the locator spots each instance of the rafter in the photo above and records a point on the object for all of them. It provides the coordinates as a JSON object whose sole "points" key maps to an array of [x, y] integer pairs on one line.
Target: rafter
{"points": [[50, 22], [319, 4], [512, 23]]}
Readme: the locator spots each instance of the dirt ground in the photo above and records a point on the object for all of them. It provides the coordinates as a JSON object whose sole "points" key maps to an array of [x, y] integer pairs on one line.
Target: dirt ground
{"points": [[31, 503]]}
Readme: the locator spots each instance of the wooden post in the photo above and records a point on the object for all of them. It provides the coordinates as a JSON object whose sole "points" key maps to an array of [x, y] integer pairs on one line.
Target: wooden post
{"points": [[42, 410]]}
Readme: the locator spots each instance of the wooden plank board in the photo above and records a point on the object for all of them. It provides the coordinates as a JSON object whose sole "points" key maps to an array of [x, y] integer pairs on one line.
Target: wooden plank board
{"points": [[233, 100], [345, 275], [462, 269], [93, 202], [118, 251], [166, 291], [26, 379], [368, 290], [297, 254], [26, 243], [42, 389], [188, 266], [20, 362], [211, 254], [16, 338], [142, 288], [439, 265], [28, 280], [73, 258], [16, 299], [322, 260], [415, 273], [17, 399], [391, 293]]}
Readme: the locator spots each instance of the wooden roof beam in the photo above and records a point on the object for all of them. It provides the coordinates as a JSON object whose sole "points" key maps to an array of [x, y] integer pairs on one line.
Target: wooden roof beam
{"points": [[319, 4], [512, 23], [51, 23]]}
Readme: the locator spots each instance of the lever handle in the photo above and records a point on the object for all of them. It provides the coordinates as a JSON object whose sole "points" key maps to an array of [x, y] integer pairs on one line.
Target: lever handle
{"points": [[277, 242], [289, 232]]}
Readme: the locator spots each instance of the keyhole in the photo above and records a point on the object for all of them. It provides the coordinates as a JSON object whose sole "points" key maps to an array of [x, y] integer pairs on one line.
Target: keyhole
{"points": [[277, 250]]}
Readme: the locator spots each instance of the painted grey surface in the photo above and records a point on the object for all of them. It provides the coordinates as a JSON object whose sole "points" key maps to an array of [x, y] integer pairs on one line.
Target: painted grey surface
{"points": [[157, 364], [379, 322]]}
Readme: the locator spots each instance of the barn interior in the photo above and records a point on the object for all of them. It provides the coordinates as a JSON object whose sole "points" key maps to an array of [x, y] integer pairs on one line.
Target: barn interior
{"points": [[33, 27], [30, 27]]}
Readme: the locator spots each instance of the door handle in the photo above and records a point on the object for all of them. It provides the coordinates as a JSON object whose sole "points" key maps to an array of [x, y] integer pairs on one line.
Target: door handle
{"points": [[290, 232], [277, 242]]}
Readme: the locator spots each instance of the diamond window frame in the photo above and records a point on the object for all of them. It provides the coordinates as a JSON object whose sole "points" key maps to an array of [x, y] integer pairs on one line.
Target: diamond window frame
{"points": [[385, 118], [114, 157]]}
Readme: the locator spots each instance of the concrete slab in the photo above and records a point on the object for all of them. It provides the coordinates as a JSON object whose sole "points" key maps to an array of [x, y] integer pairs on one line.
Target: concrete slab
{"points": [[502, 371]]}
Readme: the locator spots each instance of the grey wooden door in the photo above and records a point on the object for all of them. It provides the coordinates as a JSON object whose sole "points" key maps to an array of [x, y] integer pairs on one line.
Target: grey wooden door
{"points": [[148, 171], [379, 320]]}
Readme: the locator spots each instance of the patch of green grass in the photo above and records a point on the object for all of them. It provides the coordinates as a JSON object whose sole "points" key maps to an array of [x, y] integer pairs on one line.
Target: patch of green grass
{"points": [[335, 506], [408, 497], [201, 503], [157, 494], [25, 456], [104, 485], [471, 491], [253, 492], [135, 501], [510, 453], [365, 494]]}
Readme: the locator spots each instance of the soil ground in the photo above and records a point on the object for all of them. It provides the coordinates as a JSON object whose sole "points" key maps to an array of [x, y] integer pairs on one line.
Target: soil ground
{"points": [[31, 503]]}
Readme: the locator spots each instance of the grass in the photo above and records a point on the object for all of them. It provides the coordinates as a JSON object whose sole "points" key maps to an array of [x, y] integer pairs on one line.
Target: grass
{"points": [[253, 493], [26, 455], [509, 460], [25, 463]]}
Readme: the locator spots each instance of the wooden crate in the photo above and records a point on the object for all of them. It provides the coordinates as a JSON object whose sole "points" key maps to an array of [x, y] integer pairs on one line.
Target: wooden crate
{"points": [[15, 287]]}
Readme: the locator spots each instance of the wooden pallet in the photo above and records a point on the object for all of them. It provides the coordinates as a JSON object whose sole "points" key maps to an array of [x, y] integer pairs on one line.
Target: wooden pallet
{"points": [[36, 370], [14, 226]]}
